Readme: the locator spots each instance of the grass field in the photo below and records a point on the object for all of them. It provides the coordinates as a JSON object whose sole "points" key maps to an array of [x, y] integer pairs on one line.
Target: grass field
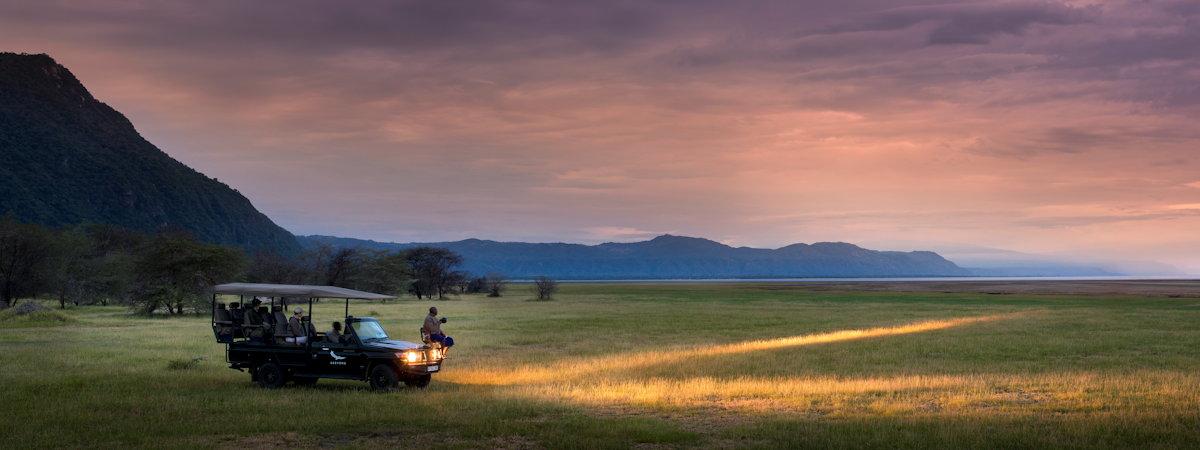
{"points": [[681, 365]]}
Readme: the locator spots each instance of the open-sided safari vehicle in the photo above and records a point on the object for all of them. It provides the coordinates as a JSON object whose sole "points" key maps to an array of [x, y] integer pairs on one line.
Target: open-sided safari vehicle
{"points": [[263, 343]]}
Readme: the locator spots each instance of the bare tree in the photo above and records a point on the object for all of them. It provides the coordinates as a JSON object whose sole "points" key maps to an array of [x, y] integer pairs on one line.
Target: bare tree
{"points": [[545, 288], [495, 283]]}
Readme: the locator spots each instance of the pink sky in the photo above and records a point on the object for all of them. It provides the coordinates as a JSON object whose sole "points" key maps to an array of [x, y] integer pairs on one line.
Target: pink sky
{"points": [[1063, 128]]}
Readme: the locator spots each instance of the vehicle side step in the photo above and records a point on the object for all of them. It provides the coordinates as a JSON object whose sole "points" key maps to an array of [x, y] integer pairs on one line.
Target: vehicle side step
{"points": [[334, 376]]}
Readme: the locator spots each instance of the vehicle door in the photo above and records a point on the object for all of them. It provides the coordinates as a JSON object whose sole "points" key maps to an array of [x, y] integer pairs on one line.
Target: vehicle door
{"points": [[341, 358]]}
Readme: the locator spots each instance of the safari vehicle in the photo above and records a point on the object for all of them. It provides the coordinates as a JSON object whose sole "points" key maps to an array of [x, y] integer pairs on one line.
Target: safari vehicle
{"points": [[267, 349]]}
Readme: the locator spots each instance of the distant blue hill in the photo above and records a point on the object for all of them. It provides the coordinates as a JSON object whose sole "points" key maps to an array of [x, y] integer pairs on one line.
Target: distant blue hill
{"points": [[672, 257]]}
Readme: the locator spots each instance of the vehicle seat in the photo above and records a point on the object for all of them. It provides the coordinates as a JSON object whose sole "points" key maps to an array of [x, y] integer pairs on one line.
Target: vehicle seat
{"points": [[281, 327], [267, 322], [312, 331], [223, 324], [238, 316]]}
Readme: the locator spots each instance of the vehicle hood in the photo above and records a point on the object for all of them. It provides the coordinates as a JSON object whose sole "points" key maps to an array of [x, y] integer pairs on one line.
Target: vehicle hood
{"points": [[392, 344]]}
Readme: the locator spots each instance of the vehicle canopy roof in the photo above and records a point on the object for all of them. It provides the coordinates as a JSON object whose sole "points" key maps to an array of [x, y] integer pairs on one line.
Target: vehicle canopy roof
{"points": [[296, 290]]}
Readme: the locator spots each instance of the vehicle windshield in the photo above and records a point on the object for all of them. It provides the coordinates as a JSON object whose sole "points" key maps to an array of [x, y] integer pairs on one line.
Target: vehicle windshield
{"points": [[369, 331]]}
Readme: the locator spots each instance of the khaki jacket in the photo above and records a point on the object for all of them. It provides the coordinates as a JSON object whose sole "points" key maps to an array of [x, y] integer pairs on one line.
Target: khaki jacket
{"points": [[432, 326]]}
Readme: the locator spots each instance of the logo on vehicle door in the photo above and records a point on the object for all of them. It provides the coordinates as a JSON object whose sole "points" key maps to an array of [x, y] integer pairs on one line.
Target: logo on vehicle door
{"points": [[335, 356]]}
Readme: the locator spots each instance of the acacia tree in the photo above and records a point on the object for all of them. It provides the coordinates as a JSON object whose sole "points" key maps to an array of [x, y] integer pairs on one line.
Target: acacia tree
{"points": [[382, 272], [25, 252], [433, 270], [175, 271]]}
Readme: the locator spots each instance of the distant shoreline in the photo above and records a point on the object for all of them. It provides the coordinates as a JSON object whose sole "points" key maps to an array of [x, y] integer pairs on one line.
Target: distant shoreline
{"points": [[876, 279], [1140, 286]]}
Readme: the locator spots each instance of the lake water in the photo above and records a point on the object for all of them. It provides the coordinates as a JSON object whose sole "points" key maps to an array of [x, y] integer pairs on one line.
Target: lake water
{"points": [[897, 279]]}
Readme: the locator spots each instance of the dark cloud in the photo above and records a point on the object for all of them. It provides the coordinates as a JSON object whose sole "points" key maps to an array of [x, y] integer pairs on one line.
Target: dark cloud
{"points": [[969, 23]]}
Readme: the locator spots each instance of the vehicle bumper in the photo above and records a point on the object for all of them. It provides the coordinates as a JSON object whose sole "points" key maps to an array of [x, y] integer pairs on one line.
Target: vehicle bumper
{"points": [[421, 369]]}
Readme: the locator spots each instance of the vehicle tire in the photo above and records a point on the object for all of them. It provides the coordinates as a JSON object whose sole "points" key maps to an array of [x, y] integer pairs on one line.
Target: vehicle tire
{"points": [[383, 378], [271, 376], [419, 382], [305, 381]]}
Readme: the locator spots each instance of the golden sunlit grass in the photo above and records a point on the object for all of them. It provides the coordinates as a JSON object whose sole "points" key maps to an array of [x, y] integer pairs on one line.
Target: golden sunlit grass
{"points": [[569, 370], [618, 366], [985, 394]]}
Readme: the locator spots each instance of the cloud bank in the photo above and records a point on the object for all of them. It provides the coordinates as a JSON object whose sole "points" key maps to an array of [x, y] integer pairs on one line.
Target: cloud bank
{"points": [[1054, 127]]}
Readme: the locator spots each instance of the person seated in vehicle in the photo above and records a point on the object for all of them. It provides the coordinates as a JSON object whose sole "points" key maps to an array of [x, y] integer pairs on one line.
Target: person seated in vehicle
{"points": [[334, 335], [296, 325], [433, 329], [237, 313], [251, 313], [267, 318], [253, 322]]}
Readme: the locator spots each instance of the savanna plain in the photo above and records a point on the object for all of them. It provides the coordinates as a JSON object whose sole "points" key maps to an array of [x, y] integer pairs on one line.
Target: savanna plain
{"points": [[744, 365]]}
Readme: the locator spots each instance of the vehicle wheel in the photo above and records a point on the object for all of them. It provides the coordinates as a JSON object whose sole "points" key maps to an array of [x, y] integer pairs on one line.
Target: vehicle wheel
{"points": [[305, 381], [383, 378], [419, 382], [270, 376]]}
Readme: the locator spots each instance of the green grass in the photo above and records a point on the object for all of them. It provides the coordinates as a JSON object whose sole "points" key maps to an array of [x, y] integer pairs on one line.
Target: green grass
{"points": [[617, 366], [47, 318]]}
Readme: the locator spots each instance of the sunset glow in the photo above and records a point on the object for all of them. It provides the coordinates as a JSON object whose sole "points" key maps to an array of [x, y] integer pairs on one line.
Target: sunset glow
{"points": [[1064, 128]]}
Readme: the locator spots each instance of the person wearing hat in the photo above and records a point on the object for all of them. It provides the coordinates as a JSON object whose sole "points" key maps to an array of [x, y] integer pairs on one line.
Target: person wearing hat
{"points": [[297, 328]]}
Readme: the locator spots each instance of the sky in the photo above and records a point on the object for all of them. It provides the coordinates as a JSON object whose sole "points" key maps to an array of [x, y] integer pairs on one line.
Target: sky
{"points": [[1064, 128]]}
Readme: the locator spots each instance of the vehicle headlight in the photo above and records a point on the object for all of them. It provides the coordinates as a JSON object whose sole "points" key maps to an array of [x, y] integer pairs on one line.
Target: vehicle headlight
{"points": [[409, 356]]}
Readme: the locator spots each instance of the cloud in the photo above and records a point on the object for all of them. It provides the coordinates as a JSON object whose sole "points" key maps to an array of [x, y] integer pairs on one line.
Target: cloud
{"points": [[965, 23], [776, 122], [619, 234]]}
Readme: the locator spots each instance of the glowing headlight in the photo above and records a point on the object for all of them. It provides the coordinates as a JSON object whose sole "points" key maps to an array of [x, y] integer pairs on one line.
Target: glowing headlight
{"points": [[409, 356]]}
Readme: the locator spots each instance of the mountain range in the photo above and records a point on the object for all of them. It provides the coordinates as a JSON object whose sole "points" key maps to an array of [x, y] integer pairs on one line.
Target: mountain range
{"points": [[67, 158], [672, 257]]}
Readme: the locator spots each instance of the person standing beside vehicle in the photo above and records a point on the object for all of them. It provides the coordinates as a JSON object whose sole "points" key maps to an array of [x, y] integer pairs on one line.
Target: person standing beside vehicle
{"points": [[433, 328]]}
